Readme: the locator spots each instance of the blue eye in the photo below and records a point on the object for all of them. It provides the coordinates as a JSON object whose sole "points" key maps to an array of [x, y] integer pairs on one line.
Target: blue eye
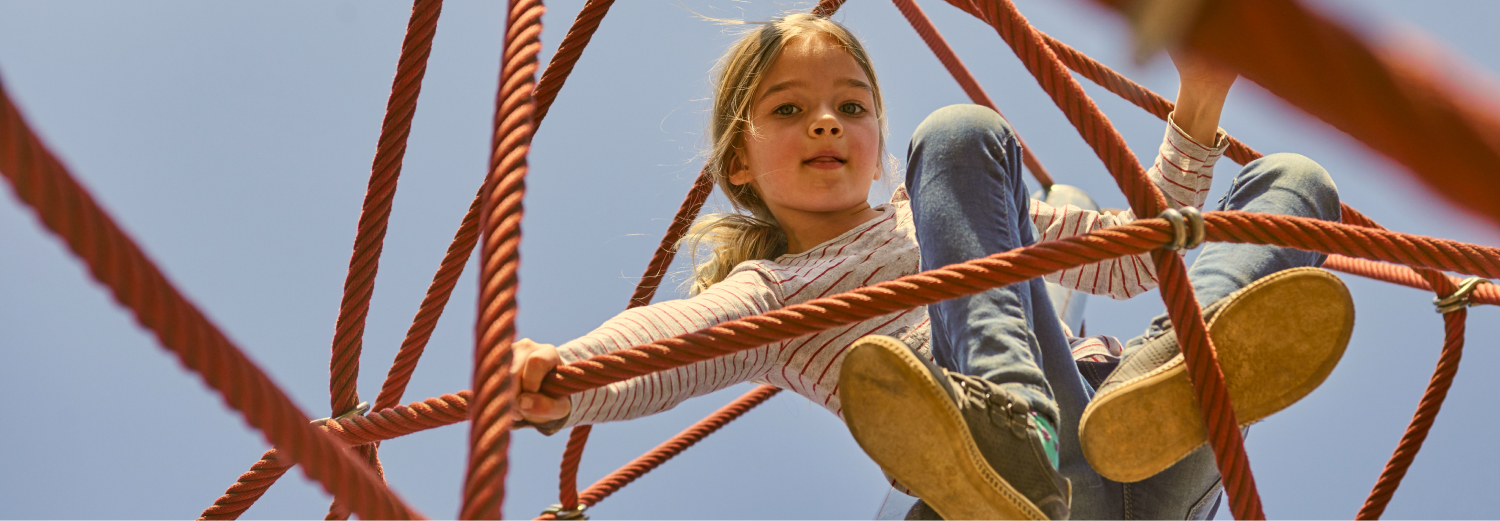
{"points": [[786, 110], [852, 108]]}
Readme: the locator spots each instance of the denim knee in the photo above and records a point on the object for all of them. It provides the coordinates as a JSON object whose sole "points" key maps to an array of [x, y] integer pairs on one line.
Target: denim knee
{"points": [[963, 124], [1288, 173], [965, 127]]}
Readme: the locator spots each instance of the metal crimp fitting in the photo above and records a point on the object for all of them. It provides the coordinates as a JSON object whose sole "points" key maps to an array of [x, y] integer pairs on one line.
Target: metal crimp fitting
{"points": [[1187, 227], [358, 410], [576, 513], [1459, 299]]}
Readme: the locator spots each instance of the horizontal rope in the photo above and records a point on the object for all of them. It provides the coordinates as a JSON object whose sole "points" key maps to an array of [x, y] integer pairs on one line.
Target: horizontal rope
{"points": [[1007, 267], [1397, 274]]}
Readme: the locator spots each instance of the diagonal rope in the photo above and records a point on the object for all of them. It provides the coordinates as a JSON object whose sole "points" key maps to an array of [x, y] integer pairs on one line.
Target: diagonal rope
{"points": [[374, 219], [644, 291], [359, 283], [41, 182]]}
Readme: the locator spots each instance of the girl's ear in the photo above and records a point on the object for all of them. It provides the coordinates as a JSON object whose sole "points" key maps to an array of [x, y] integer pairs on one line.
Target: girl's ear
{"points": [[741, 173]]}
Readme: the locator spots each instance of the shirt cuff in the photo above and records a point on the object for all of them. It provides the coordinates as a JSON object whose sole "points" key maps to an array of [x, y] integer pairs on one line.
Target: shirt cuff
{"points": [[1185, 143]]}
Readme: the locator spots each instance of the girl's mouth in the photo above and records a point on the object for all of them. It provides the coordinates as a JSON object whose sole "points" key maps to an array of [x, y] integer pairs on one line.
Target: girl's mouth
{"points": [[824, 162]]}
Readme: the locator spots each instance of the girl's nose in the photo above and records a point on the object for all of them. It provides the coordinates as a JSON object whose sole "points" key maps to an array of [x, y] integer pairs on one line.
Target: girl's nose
{"points": [[825, 125]]}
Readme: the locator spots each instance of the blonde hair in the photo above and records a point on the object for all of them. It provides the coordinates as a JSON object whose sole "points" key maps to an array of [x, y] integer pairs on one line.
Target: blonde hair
{"points": [[755, 234]]}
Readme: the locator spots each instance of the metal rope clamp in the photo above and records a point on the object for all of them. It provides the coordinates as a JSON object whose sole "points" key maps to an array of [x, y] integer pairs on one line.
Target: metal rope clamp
{"points": [[1459, 299], [1187, 227], [576, 513], [358, 410]]}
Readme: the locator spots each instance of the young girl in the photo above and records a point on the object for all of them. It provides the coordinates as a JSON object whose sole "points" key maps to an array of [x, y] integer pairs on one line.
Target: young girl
{"points": [[798, 137]]}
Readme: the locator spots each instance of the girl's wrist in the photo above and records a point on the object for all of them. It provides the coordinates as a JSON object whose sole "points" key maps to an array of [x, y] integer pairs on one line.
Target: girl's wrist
{"points": [[1197, 113]]}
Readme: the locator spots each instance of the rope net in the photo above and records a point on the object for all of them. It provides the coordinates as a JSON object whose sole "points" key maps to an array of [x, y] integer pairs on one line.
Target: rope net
{"points": [[1280, 63]]}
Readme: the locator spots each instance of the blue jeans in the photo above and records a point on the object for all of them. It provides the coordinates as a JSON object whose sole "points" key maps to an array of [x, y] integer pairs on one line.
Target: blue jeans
{"points": [[969, 201]]}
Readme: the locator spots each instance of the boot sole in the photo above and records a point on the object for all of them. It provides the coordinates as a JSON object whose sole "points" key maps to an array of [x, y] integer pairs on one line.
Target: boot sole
{"points": [[907, 423], [1276, 342]]}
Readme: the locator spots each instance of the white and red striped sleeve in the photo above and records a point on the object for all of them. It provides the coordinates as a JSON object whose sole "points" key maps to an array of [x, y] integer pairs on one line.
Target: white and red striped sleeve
{"points": [[749, 290], [1183, 170]]}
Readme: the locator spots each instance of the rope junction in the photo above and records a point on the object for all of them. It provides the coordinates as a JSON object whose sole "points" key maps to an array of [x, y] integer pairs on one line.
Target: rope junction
{"points": [[1417, 113]]}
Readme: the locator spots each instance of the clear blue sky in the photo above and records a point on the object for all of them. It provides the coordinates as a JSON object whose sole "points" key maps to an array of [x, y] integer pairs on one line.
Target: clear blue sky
{"points": [[233, 141]]}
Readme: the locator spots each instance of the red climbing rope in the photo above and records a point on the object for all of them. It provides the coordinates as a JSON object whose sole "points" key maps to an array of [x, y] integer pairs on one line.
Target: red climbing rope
{"points": [[644, 291], [997, 270], [369, 240], [1182, 306], [1138, 237], [674, 446], [66, 209], [359, 284], [500, 223], [826, 8], [1396, 274], [567, 55], [949, 59], [1421, 423]]}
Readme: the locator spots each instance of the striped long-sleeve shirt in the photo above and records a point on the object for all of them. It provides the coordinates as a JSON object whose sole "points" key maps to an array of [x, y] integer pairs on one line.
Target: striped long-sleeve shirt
{"points": [[881, 249]]}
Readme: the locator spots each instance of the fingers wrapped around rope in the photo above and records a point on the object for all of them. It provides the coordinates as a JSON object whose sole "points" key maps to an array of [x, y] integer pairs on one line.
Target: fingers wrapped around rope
{"points": [[1187, 228]]}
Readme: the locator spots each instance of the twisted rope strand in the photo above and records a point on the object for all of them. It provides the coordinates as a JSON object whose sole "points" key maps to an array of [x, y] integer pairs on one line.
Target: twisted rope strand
{"points": [[249, 487], [578, 437], [374, 219], [1182, 306], [674, 446], [359, 283], [979, 275], [67, 210], [567, 55], [1421, 423], [500, 221], [1396, 274], [452, 408]]}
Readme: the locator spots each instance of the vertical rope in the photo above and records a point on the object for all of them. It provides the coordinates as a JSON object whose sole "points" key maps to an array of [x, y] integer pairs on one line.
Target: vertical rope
{"points": [[1182, 306], [374, 219], [500, 223]]}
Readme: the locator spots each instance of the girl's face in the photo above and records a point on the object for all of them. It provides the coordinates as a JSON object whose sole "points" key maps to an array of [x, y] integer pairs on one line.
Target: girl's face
{"points": [[813, 141]]}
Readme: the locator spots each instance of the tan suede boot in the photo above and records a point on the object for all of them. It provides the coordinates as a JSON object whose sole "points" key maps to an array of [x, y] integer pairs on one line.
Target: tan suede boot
{"points": [[967, 447], [1277, 340]]}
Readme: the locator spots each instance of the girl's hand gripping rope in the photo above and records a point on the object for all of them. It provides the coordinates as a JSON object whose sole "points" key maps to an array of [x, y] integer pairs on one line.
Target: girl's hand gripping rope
{"points": [[532, 363]]}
